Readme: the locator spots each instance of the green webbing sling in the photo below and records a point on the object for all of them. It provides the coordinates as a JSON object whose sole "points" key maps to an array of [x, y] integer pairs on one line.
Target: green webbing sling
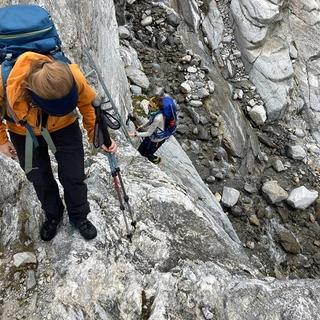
{"points": [[32, 142]]}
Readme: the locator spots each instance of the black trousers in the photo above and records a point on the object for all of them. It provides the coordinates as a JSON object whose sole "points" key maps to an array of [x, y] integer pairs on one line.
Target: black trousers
{"points": [[147, 148], [70, 159]]}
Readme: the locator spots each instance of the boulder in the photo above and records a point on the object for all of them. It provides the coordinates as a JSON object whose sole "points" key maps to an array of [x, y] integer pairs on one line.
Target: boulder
{"points": [[302, 198], [273, 192], [230, 196]]}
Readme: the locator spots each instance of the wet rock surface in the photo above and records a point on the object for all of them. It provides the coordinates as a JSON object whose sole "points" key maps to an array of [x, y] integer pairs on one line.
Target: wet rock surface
{"points": [[281, 156]]}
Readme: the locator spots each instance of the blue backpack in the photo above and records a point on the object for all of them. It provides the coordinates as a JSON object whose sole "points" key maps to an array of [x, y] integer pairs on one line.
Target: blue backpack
{"points": [[26, 28], [169, 110]]}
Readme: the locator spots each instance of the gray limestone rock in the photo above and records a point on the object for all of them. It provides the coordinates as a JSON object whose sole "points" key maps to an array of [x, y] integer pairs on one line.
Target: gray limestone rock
{"points": [[237, 94], [210, 179], [31, 281], [124, 33], [23, 258], [299, 133], [273, 192], [136, 90], [230, 196], [293, 51], [212, 25], [278, 165], [302, 198], [173, 19], [264, 13], [195, 103], [272, 73], [289, 242], [250, 34], [192, 69], [185, 87], [202, 93], [147, 21], [258, 115], [138, 77], [203, 133], [129, 56], [158, 91], [211, 86], [267, 57], [186, 59], [296, 152], [250, 187]]}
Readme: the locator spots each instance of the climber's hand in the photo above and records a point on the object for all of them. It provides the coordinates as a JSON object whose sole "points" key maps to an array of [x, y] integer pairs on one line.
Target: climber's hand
{"points": [[112, 149], [132, 134], [8, 149]]}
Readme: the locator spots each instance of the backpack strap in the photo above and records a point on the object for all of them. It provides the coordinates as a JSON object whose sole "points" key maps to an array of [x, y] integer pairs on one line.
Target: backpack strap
{"points": [[31, 141], [45, 133], [59, 55], [6, 68], [9, 115], [46, 136], [168, 130], [162, 134], [152, 117], [158, 133], [28, 153]]}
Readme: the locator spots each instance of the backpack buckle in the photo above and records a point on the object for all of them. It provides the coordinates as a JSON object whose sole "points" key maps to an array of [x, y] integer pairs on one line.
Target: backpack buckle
{"points": [[8, 56], [22, 123]]}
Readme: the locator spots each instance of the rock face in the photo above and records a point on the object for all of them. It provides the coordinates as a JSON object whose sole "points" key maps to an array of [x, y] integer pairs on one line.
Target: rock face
{"points": [[185, 262], [274, 52], [238, 137], [267, 56]]}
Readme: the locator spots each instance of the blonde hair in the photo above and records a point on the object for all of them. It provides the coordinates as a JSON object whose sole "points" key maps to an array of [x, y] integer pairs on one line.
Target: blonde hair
{"points": [[49, 79], [155, 102]]}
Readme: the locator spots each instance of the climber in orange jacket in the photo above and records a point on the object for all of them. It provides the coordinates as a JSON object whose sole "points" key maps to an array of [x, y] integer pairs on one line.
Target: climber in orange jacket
{"points": [[43, 93]]}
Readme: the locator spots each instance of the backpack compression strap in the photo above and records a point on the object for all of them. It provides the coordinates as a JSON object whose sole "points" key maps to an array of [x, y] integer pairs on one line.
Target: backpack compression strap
{"points": [[159, 133]]}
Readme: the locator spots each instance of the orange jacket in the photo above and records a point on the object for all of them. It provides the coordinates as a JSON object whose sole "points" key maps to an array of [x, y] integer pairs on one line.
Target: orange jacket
{"points": [[23, 111]]}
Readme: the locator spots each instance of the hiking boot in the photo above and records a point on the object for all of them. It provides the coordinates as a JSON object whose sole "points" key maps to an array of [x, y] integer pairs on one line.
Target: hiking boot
{"points": [[49, 229], [86, 228], [155, 160]]}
